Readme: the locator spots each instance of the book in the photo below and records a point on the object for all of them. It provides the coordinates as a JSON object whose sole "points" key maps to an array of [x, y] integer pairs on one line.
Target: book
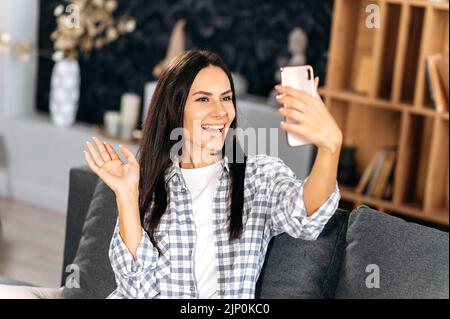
{"points": [[385, 172], [389, 192], [381, 155], [442, 67], [435, 63], [365, 177]]}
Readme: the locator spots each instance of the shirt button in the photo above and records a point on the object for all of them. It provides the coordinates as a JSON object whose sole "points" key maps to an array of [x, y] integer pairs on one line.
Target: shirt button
{"points": [[183, 190], [188, 220], [190, 252], [192, 288]]}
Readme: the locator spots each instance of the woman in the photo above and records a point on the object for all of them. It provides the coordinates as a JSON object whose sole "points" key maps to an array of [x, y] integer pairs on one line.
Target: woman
{"points": [[194, 222]]}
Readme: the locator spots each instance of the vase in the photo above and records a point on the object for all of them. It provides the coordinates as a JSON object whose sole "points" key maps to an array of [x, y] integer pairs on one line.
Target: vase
{"points": [[65, 92]]}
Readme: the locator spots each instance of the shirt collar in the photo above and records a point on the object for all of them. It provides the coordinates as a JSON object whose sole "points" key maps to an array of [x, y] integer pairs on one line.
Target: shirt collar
{"points": [[174, 168]]}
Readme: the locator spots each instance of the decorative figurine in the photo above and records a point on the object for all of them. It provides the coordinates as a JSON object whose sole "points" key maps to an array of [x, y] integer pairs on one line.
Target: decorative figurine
{"points": [[297, 45]]}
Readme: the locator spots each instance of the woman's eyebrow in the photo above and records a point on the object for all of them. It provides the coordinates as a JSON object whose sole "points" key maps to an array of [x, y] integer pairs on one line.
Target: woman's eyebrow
{"points": [[209, 93]]}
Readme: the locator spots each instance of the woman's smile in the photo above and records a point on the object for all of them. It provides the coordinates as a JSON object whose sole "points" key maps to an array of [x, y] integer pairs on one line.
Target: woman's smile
{"points": [[215, 130]]}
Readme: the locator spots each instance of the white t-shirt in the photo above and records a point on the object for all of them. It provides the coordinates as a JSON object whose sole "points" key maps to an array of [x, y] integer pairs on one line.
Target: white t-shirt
{"points": [[202, 184]]}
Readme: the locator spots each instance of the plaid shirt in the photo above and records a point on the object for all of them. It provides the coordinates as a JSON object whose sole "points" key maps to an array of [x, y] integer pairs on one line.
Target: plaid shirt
{"points": [[273, 204]]}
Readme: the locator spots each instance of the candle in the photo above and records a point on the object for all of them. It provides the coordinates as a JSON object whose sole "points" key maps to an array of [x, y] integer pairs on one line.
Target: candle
{"points": [[112, 123], [129, 111]]}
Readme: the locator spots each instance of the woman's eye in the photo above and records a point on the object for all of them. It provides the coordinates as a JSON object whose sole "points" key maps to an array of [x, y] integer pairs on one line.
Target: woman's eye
{"points": [[202, 99], [227, 98]]}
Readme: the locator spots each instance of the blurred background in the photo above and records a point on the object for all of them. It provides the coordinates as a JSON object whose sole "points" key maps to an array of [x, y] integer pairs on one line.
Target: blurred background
{"points": [[70, 70]]}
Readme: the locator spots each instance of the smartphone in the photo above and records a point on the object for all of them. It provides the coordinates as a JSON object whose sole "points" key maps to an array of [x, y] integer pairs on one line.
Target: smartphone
{"points": [[300, 78]]}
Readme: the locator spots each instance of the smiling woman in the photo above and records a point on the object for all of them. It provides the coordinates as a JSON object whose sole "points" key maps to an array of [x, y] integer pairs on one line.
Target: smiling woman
{"points": [[208, 115], [196, 223]]}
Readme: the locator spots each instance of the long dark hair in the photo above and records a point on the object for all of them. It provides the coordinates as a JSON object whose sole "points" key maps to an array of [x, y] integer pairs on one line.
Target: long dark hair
{"points": [[165, 114]]}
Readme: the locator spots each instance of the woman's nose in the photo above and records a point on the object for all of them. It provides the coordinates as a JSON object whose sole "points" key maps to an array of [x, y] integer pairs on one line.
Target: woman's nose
{"points": [[219, 110]]}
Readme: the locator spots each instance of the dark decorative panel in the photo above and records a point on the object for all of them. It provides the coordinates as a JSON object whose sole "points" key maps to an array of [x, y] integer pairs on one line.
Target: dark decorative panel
{"points": [[250, 35]]}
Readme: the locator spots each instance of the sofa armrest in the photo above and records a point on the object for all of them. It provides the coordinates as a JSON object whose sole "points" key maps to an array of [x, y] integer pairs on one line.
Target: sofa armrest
{"points": [[81, 188]]}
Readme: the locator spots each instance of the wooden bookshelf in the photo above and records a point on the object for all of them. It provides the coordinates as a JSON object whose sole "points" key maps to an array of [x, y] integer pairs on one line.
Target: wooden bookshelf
{"points": [[377, 91]]}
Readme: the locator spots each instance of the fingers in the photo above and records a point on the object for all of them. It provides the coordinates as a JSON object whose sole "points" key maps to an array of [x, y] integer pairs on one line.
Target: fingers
{"points": [[102, 150], [111, 151], [288, 90], [94, 155], [294, 128], [303, 96], [290, 101], [292, 114], [128, 155], [91, 162]]}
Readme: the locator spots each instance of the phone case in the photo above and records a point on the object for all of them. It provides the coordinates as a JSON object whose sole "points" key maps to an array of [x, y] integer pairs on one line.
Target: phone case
{"points": [[300, 78]]}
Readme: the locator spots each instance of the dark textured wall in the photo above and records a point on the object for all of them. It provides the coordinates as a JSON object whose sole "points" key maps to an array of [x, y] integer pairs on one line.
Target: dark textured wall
{"points": [[250, 35]]}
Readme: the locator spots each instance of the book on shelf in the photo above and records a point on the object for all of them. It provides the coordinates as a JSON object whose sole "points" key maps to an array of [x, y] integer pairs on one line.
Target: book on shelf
{"points": [[366, 175], [442, 67], [377, 178], [388, 193], [376, 170], [437, 75], [385, 172]]}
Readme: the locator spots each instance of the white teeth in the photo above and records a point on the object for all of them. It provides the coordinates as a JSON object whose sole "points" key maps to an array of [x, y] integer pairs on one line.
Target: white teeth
{"points": [[213, 127]]}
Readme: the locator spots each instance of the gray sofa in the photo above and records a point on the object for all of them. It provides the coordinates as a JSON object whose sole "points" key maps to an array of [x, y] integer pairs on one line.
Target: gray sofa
{"points": [[360, 254]]}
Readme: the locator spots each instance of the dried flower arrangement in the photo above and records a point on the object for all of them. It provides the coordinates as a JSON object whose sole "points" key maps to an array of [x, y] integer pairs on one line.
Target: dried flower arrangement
{"points": [[84, 25]]}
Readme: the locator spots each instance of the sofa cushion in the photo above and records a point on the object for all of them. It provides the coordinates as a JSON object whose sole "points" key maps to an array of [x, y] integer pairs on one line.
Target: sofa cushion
{"points": [[410, 260], [96, 275], [81, 189], [300, 269]]}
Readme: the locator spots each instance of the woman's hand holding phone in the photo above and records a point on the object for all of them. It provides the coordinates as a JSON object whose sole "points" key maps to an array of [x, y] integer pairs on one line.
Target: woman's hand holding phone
{"points": [[309, 118]]}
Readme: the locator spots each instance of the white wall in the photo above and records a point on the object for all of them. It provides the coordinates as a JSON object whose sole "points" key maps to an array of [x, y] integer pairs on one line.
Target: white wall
{"points": [[18, 80], [35, 156]]}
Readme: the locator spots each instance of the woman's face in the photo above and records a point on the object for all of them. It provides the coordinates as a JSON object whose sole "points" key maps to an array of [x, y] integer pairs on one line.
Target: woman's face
{"points": [[209, 110]]}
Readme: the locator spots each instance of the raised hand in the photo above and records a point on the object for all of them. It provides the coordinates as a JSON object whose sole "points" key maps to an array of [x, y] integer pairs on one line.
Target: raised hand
{"points": [[119, 176], [310, 118]]}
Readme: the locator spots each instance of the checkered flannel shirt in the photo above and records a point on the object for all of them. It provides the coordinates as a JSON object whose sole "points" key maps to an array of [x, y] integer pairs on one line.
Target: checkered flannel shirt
{"points": [[273, 204]]}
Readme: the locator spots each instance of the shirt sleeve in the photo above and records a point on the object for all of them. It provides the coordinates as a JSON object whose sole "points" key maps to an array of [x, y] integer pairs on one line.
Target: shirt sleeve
{"points": [[288, 213], [135, 277]]}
